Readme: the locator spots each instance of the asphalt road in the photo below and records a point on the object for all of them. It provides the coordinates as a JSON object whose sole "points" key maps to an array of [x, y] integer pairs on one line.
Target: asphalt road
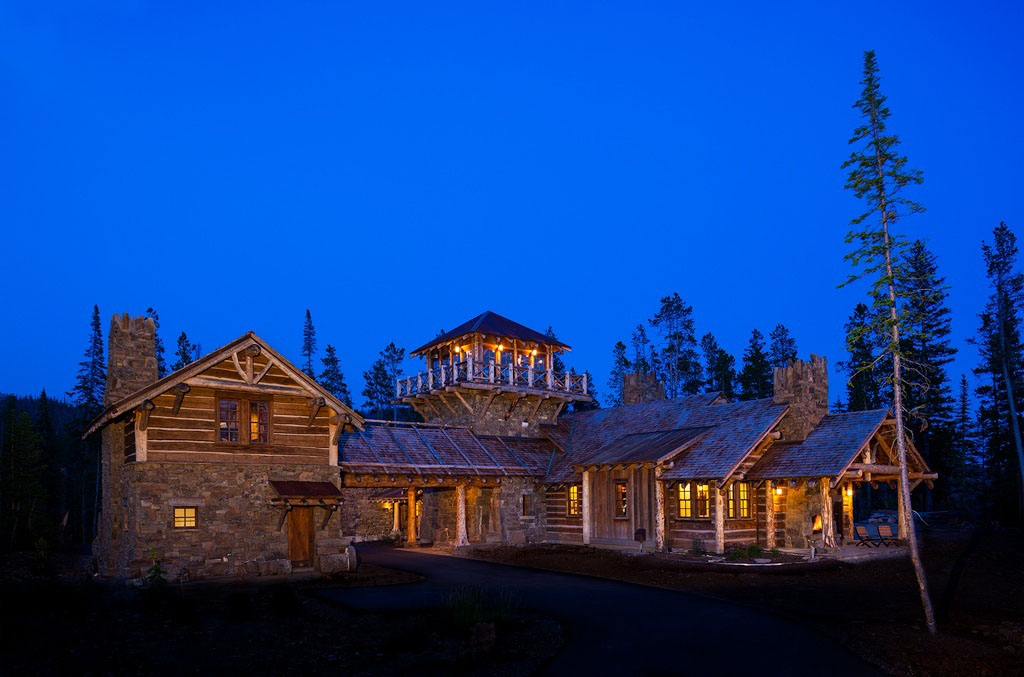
{"points": [[619, 628]]}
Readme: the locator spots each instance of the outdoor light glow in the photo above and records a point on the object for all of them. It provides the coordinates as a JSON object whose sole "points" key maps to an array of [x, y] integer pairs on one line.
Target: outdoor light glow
{"points": [[778, 491], [849, 491], [534, 351]]}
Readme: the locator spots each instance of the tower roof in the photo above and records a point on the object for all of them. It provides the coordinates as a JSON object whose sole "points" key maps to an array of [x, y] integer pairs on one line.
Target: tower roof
{"points": [[489, 322]]}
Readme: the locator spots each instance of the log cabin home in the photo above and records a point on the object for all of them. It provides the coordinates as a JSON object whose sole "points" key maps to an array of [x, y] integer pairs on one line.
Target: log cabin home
{"points": [[241, 460]]}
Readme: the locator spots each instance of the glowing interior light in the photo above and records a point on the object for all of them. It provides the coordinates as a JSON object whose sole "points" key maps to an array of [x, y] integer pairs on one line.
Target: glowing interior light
{"points": [[778, 491]]}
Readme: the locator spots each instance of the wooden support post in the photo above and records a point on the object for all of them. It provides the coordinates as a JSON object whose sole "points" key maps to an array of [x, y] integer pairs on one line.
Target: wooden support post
{"points": [[396, 526], [659, 511], [584, 383], [769, 515], [410, 518], [719, 518], [586, 508], [902, 528], [848, 513], [828, 529], [461, 537]]}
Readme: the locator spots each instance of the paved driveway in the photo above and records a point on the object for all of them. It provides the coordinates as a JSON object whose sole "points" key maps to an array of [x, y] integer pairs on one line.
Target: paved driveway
{"points": [[619, 628]]}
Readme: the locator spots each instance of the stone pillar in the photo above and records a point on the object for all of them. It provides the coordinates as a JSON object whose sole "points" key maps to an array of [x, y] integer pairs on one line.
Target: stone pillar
{"points": [[659, 511], [586, 508], [638, 388], [461, 538], [769, 514], [719, 518], [410, 520], [804, 387]]}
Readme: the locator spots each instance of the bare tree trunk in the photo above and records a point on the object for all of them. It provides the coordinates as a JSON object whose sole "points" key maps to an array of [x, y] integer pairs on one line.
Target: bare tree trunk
{"points": [[1010, 401]]}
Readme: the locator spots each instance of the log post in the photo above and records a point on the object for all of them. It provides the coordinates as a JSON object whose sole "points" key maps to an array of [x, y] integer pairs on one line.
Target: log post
{"points": [[410, 517], [461, 537], [719, 518], [584, 383], [769, 514], [901, 521], [396, 525], [848, 513], [586, 508], [828, 530], [659, 511]]}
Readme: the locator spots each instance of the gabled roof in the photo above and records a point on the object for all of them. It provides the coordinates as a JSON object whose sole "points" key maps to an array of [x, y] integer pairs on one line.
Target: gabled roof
{"points": [[196, 368], [489, 322], [649, 447], [827, 451]]}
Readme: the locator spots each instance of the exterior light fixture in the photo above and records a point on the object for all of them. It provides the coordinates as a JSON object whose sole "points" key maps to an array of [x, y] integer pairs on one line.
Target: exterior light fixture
{"points": [[778, 491], [535, 351], [849, 491]]}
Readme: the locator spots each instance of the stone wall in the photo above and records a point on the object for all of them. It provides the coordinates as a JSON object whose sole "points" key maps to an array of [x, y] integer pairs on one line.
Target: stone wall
{"points": [[638, 388], [131, 356], [804, 387], [236, 523], [362, 517], [802, 503]]}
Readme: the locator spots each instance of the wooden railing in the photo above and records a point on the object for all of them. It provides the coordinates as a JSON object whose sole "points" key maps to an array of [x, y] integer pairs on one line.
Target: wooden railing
{"points": [[532, 378]]}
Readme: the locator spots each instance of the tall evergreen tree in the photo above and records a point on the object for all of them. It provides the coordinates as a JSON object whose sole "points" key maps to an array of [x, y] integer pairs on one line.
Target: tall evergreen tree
{"points": [[332, 378], [878, 175], [595, 402], [620, 367], [308, 345], [782, 348], [161, 362], [22, 492], [1002, 370], [185, 353], [642, 351], [719, 367], [556, 361], [755, 378], [380, 382], [863, 383], [91, 382], [678, 354]]}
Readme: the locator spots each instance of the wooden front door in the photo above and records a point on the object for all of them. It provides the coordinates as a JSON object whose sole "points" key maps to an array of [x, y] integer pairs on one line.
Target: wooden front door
{"points": [[300, 537]]}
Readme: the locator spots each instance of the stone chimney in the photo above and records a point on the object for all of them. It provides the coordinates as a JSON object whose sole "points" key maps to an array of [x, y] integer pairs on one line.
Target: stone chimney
{"points": [[131, 356], [639, 387], [804, 387]]}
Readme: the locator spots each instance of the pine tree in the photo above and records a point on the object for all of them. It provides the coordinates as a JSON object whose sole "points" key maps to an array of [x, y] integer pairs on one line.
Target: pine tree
{"points": [[92, 373], [308, 344], [620, 367], [161, 363], [22, 468], [926, 344], [1002, 369], [380, 381], [185, 353], [719, 367], [756, 379], [863, 384], [332, 378], [557, 364], [838, 406], [641, 350], [782, 348], [678, 355], [594, 403], [878, 175]]}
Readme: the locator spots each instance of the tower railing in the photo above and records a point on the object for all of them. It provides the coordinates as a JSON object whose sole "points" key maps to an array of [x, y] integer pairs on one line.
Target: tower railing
{"points": [[488, 372]]}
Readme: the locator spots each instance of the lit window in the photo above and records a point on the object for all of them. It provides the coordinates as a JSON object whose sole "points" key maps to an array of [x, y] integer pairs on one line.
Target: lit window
{"points": [[621, 499], [572, 507], [739, 499], [703, 509], [229, 420], [185, 518], [259, 422], [685, 506]]}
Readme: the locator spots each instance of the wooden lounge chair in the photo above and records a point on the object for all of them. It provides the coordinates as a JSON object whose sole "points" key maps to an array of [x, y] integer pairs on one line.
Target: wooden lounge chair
{"points": [[863, 538], [885, 536]]}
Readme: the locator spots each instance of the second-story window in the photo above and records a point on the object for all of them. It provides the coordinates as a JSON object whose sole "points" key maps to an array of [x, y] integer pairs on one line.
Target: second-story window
{"points": [[229, 420], [243, 421]]}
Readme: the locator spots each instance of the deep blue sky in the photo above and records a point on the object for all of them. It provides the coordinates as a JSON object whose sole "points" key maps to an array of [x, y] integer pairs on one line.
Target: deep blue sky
{"points": [[400, 167]]}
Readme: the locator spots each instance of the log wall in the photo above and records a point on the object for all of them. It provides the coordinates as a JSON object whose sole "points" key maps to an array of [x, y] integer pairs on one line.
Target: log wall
{"points": [[560, 526]]}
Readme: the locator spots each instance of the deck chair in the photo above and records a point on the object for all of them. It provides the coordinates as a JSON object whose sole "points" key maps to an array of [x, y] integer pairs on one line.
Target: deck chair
{"points": [[863, 538], [885, 536]]}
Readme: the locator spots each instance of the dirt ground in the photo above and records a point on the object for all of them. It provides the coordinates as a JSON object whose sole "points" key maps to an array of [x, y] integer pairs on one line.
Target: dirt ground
{"points": [[82, 626], [976, 578]]}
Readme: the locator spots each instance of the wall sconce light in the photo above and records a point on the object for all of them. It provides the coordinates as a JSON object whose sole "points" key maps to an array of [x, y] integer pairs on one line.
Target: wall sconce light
{"points": [[778, 491], [849, 491], [535, 351]]}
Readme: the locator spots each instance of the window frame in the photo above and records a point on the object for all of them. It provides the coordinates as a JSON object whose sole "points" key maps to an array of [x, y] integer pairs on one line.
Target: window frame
{"points": [[684, 498], [739, 501], [184, 517], [573, 505], [706, 501], [620, 499], [245, 405]]}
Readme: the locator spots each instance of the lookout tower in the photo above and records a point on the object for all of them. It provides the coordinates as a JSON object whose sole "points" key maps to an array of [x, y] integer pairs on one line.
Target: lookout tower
{"points": [[494, 375]]}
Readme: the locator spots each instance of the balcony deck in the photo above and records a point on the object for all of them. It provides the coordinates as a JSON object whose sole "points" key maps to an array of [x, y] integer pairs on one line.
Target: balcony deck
{"points": [[488, 374]]}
